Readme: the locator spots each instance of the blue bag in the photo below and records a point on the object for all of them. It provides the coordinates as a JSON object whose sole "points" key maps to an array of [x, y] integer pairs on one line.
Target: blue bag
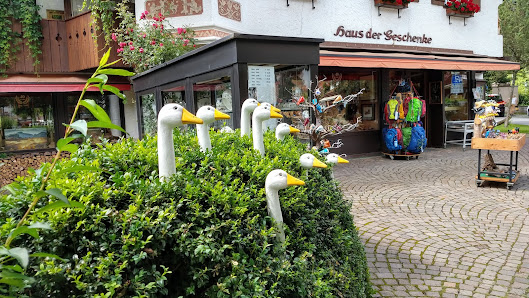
{"points": [[391, 139], [417, 139]]}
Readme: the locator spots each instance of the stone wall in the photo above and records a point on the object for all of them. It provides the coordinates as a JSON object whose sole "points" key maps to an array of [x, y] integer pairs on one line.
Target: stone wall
{"points": [[18, 164]]}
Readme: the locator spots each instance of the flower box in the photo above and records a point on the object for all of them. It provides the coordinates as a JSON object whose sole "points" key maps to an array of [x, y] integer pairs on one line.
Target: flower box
{"points": [[454, 13], [388, 4]]}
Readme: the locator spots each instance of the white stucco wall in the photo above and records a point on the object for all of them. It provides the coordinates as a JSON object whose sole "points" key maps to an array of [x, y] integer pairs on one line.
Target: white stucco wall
{"points": [[273, 17], [49, 4]]}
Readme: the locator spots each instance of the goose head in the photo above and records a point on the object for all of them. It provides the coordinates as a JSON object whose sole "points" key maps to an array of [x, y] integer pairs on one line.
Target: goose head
{"points": [[249, 105], [335, 158], [308, 161], [264, 112], [279, 179], [173, 115], [283, 129], [209, 114], [267, 104]]}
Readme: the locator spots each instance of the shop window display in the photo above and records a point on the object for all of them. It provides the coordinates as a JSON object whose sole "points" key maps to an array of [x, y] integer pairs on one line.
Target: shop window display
{"points": [[26, 122], [333, 84], [174, 95], [456, 95], [216, 93]]}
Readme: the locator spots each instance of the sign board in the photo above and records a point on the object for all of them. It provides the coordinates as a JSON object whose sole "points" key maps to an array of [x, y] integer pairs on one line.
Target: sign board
{"points": [[457, 84], [261, 86]]}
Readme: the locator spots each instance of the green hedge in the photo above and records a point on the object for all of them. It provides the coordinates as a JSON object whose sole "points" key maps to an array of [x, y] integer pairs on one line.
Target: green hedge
{"points": [[205, 232]]}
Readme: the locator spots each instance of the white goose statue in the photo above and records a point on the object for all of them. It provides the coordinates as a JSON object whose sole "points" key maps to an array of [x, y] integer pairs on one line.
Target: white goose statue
{"points": [[276, 180], [208, 114], [267, 104], [171, 116], [334, 158], [247, 109], [308, 161], [261, 113], [283, 129]]}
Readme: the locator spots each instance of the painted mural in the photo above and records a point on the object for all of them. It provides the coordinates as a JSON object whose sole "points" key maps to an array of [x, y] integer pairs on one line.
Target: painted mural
{"points": [[174, 8]]}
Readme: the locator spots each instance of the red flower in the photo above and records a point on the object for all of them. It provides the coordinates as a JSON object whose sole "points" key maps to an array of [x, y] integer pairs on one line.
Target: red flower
{"points": [[144, 35], [161, 44], [114, 37], [153, 42], [179, 30], [141, 50], [131, 48], [130, 43]]}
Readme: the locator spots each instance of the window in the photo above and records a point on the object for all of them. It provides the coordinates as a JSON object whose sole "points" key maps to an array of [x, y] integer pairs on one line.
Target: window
{"points": [[456, 95], [346, 82], [148, 114], [26, 122], [216, 93]]}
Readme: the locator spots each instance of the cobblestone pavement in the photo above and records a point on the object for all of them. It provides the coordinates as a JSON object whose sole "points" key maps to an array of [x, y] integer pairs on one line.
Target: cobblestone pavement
{"points": [[429, 231]]}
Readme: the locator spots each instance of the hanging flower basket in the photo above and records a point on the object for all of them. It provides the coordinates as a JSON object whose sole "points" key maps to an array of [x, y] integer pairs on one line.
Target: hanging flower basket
{"points": [[393, 3], [461, 8], [451, 12]]}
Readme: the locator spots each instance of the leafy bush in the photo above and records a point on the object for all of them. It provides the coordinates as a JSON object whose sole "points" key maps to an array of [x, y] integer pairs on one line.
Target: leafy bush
{"points": [[205, 232]]}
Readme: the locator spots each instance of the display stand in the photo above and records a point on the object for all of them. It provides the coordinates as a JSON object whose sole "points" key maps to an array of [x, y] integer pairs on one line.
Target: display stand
{"points": [[400, 121], [512, 145]]}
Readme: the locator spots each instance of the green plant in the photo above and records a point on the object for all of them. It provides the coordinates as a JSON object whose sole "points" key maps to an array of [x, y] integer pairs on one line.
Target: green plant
{"points": [[103, 17], [205, 232], [14, 260], [7, 122], [26, 12]]}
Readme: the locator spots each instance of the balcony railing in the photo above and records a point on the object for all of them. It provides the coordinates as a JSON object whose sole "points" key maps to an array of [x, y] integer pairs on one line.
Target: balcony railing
{"points": [[67, 46]]}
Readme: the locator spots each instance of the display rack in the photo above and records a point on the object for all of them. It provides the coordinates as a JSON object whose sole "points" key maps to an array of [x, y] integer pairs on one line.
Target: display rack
{"points": [[512, 145]]}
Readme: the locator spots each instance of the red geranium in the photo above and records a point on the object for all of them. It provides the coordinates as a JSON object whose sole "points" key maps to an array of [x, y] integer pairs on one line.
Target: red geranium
{"points": [[466, 6]]}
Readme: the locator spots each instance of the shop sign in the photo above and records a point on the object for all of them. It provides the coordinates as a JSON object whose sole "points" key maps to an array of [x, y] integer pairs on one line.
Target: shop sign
{"points": [[22, 101], [457, 84], [341, 31]]}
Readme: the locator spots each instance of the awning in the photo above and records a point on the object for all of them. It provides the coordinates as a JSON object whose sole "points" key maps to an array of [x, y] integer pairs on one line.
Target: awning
{"points": [[412, 61], [52, 83]]}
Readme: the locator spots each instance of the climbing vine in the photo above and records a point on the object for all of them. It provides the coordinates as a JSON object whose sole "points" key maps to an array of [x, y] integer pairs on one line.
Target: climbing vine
{"points": [[27, 13], [102, 16]]}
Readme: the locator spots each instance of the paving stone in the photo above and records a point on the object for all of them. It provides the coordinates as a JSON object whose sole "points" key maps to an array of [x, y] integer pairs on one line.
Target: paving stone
{"points": [[425, 223]]}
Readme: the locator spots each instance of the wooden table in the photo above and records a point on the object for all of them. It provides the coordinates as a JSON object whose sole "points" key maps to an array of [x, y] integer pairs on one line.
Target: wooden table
{"points": [[512, 145]]}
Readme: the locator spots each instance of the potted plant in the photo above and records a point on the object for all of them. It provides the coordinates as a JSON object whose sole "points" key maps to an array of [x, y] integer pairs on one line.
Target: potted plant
{"points": [[461, 7], [396, 3]]}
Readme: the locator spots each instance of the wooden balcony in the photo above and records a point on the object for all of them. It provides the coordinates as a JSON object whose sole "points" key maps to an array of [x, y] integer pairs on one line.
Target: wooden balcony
{"points": [[67, 46], [83, 51]]}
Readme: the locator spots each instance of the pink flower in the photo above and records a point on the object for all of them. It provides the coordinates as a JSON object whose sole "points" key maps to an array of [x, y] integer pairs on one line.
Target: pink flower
{"points": [[130, 43], [131, 30], [179, 30], [122, 44], [161, 26], [144, 35], [155, 18], [160, 14], [186, 41], [141, 50], [153, 42], [185, 30], [131, 48], [172, 41], [114, 37], [155, 25], [119, 50], [161, 44]]}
